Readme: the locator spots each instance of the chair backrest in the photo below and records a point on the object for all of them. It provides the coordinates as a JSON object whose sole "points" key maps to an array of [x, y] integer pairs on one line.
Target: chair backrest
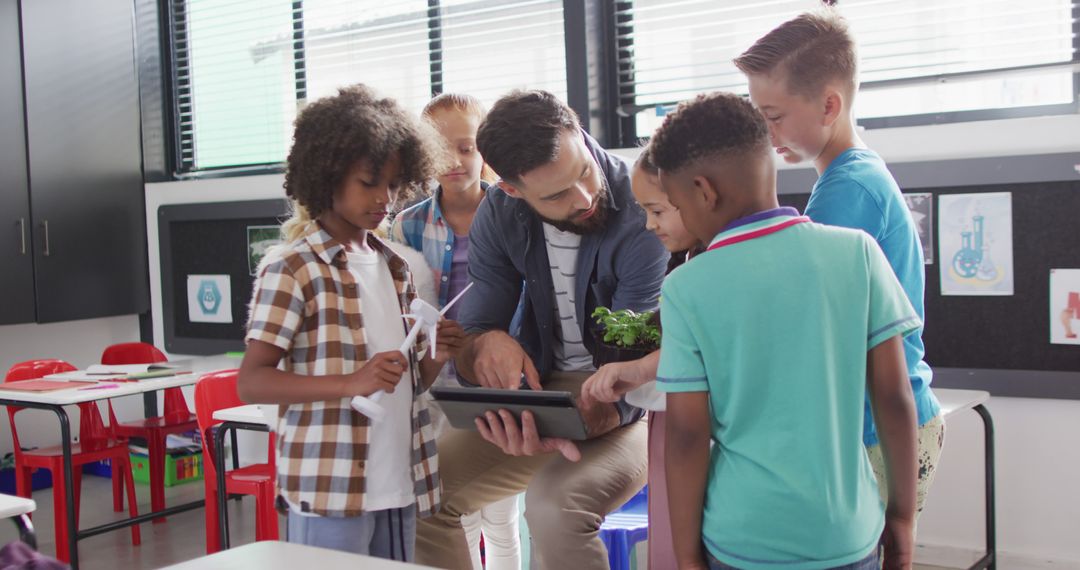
{"points": [[132, 353], [214, 391], [90, 425], [33, 369], [143, 353]]}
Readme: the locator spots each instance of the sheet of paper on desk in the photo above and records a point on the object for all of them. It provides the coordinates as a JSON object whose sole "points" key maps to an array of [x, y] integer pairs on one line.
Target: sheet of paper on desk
{"points": [[84, 376], [132, 368], [160, 373], [41, 385], [138, 372]]}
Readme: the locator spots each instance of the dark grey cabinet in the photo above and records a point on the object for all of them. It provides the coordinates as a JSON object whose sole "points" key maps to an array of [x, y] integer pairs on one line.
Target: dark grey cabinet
{"points": [[72, 186], [16, 256]]}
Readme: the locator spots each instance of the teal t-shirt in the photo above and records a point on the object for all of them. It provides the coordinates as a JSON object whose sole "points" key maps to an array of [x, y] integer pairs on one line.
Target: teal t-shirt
{"points": [[776, 329], [857, 191]]}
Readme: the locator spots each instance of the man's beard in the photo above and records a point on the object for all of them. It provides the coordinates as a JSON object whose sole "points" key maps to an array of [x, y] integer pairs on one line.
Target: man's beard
{"points": [[593, 224]]}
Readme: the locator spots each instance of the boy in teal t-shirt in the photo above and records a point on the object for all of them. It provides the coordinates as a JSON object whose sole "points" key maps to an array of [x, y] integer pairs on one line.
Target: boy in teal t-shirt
{"points": [[767, 340], [803, 77]]}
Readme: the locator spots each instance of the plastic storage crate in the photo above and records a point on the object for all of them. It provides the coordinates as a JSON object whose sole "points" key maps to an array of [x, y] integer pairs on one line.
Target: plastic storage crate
{"points": [[41, 479], [179, 468]]}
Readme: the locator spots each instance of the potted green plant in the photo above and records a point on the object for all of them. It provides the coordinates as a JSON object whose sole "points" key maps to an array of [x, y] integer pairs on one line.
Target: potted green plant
{"points": [[624, 335]]}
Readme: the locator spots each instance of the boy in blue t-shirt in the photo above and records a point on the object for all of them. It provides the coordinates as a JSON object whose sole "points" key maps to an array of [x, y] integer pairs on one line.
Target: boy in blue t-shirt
{"points": [[768, 339], [803, 79]]}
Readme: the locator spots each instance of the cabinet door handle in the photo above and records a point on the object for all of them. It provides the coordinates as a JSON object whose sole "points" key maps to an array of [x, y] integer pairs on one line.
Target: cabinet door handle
{"points": [[45, 224], [22, 236]]}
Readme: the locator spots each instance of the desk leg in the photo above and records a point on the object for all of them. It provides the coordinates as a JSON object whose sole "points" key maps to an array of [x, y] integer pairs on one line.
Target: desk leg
{"points": [[222, 495], [69, 485], [990, 560], [235, 458], [149, 404], [26, 530]]}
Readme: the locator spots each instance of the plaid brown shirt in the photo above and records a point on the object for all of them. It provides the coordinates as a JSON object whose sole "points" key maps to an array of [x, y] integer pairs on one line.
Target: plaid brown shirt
{"points": [[306, 302]]}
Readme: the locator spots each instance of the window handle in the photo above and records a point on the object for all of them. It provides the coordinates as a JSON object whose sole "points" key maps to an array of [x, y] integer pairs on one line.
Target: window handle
{"points": [[45, 224]]}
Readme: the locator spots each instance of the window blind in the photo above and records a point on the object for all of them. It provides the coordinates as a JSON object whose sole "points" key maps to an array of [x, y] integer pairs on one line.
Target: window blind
{"points": [[242, 68], [916, 56]]}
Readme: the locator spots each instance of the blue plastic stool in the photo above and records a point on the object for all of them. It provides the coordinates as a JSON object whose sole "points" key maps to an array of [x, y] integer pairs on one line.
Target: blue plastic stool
{"points": [[624, 528]]}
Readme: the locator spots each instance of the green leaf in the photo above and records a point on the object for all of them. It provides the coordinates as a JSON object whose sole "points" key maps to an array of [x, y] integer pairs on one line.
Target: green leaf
{"points": [[627, 328]]}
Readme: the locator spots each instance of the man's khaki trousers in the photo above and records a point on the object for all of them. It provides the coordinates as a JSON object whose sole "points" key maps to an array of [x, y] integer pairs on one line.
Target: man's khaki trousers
{"points": [[565, 502]]}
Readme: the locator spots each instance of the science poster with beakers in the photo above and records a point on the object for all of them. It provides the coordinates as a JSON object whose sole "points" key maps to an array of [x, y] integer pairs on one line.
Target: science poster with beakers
{"points": [[975, 243]]}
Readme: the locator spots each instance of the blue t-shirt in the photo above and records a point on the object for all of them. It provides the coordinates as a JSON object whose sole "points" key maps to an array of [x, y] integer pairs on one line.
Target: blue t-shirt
{"points": [[857, 191], [776, 329]]}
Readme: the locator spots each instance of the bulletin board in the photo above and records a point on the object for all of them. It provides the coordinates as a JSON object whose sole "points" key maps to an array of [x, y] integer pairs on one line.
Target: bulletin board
{"points": [[983, 341], [212, 247]]}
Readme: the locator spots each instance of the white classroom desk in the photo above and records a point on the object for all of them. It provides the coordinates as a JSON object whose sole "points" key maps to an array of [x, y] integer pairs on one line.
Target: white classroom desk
{"points": [[17, 509], [92, 393], [275, 555], [55, 402], [248, 414], [12, 506], [956, 401]]}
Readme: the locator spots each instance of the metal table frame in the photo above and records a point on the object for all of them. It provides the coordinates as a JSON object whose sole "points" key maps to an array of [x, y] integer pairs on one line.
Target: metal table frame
{"points": [[219, 466], [74, 536], [26, 530], [989, 559]]}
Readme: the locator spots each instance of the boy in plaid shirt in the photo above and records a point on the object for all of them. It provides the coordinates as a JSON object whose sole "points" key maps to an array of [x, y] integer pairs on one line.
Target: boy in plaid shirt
{"points": [[328, 309]]}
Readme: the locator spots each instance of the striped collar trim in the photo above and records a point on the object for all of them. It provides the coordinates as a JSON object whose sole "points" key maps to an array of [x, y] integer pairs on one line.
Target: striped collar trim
{"points": [[757, 225]]}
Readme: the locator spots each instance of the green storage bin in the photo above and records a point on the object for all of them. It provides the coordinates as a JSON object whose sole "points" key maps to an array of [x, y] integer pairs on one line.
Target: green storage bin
{"points": [[179, 468]]}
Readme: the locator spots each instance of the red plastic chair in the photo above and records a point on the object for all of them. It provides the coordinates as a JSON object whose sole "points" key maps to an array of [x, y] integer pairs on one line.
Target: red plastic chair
{"points": [[96, 443], [176, 419], [217, 391]]}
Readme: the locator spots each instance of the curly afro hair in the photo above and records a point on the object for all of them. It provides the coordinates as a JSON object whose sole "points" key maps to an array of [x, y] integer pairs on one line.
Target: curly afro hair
{"points": [[713, 125], [333, 133]]}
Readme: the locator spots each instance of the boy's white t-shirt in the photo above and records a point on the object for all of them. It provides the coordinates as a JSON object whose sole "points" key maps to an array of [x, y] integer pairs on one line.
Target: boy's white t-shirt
{"points": [[389, 467], [562, 250]]}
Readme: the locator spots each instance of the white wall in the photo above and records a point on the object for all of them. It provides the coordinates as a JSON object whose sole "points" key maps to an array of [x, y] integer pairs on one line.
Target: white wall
{"points": [[1037, 494], [1009, 137], [77, 342]]}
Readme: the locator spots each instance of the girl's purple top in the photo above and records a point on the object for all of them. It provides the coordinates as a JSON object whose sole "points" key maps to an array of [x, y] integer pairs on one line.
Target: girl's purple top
{"points": [[459, 273]]}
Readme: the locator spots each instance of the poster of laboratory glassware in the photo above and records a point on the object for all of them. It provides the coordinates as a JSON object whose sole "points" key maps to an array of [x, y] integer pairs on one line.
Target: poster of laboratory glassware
{"points": [[921, 206], [1065, 306], [975, 237]]}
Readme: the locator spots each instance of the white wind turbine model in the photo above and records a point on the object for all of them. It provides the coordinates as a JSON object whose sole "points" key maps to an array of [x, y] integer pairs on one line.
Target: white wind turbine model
{"points": [[423, 315]]}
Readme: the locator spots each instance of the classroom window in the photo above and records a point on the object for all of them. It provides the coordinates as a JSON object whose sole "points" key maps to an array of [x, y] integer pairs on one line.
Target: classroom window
{"points": [[491, 47], [234, 102], [242, 68], [928, 58]]}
